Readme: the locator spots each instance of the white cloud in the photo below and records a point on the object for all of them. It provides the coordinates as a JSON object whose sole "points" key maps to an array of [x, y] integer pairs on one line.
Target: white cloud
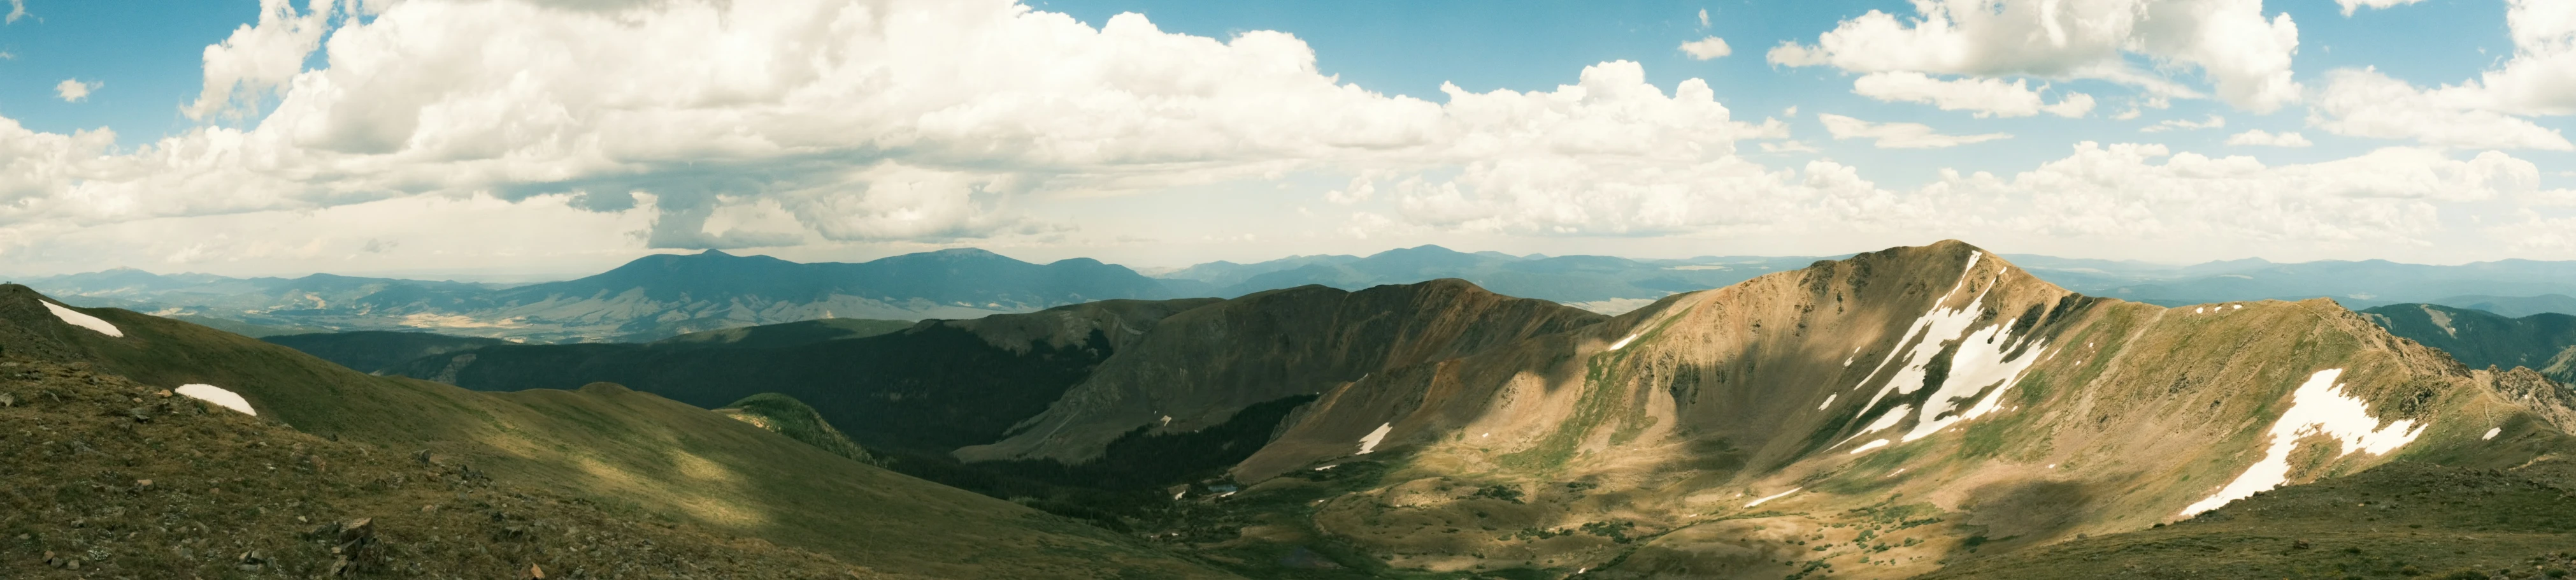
{"points": [[2386, 196], [1707, 48], [2213, 122], [2245, 56], [2365, 103], [699, 123], [74, 91], [917, 120], [1898, 135], [2262, 138], [2350, 5], [2540, 79], [1791, 146], [1985, 96], [2535, 233], [1703, 17], [259, 58], [17, 10]]}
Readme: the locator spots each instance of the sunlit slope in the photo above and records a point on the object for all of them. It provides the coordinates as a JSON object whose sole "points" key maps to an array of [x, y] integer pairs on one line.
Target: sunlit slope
{"points": [[661, 458], [785, 415], [1871, 417], [1198, 368]]}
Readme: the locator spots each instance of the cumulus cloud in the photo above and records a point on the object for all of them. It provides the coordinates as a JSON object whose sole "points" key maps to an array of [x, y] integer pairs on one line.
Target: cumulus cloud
{"points": [[2366, 103], [259, 58], [17, 10], [903, 120], [702, 123], [2213, 122], [1707, 48], [2540, 79], [2350, 5], [2262, 138], [2122, 191], [2245, 56], [1985, 96], [1898, 135], [74, 91]]}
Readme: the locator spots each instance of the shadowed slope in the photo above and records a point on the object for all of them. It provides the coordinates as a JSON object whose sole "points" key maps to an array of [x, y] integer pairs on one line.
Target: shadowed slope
{"points": [[608, 443], [1197, 368], [2479, 338]]}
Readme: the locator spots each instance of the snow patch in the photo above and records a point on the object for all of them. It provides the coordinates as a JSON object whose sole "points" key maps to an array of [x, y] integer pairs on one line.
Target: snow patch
{"points": [[1890, 419], [2491, 433], [1370, 442], [219, 396], [2316, 408], [76, 318], [1868, 446], [1767, 499], [1829, 401], [1978, 366], [1623, 343]]}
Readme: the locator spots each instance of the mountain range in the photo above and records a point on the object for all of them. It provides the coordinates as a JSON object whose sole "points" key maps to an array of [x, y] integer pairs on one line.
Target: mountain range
{"points": [[1926, 410], [664, 295]]}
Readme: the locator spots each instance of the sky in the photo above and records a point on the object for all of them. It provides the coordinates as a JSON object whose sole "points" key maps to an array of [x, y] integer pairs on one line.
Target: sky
{"points": [[501, 138]]}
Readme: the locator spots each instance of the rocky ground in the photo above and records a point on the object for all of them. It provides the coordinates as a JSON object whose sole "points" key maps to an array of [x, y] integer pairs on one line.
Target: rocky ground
{"points": [[101, 477]]}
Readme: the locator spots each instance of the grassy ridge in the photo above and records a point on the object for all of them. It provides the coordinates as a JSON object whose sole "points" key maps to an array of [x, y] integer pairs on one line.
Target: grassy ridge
{"points": [[785, 415], [651, 456]]}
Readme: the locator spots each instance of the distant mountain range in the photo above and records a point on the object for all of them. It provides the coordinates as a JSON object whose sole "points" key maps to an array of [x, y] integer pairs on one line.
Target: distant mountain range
{"points": [[1999, 426], [1439, 427], [660, 296]]}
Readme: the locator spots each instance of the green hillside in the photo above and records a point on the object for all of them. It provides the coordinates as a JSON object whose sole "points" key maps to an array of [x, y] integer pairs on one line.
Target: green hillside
{"points": [[654, 458], [368, 351], [788, 334], [785, 415], [2479, 338]]}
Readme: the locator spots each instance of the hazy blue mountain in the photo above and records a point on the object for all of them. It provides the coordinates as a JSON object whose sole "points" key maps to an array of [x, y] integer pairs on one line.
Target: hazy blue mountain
{"points": [[650, 298], [2355, 284], [1599, 283]]}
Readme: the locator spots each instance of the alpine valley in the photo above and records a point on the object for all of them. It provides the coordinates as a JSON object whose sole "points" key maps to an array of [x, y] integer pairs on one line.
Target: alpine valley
{"points": [[1932, 411]]}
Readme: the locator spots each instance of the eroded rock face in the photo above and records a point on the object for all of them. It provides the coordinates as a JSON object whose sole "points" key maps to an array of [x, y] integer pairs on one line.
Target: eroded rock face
{"points": [[1200, 367], [1875, 414]]}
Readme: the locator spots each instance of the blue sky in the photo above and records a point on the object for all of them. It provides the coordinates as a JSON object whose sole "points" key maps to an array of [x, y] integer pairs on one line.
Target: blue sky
{"points": [[1198, 179]]}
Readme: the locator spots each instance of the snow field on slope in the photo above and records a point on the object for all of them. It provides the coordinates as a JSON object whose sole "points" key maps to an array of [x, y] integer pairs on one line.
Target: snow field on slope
{"points": [[219, 396], [77, 318], [2316, 408], [1369, 443]]}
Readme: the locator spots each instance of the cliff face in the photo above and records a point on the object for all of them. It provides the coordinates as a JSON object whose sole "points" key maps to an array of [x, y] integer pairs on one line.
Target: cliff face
{"points": [[1938, 381], [1198, 368]]}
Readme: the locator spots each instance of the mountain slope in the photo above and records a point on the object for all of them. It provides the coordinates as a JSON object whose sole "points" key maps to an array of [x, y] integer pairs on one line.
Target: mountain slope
{"points": [[371, 350], [1870, 417], [177, 488], [926, 390], [2479, 338], [2514, 306], [785, 415], [603, 443], [1198, 368]]}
